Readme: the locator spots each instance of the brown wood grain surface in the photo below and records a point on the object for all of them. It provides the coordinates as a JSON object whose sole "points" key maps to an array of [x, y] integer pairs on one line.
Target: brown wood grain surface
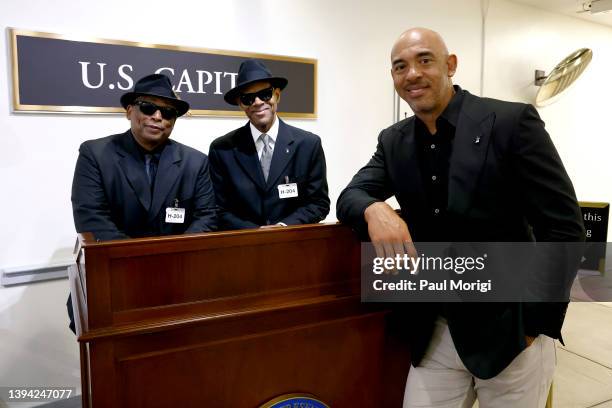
{"points": [[233, 319]]}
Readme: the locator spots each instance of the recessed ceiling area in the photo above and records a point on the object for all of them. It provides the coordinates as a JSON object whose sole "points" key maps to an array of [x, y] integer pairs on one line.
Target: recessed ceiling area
{"points": [[570, 8]]}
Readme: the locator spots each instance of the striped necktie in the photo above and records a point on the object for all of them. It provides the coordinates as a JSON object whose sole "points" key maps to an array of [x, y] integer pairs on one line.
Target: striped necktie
{"points": [[266, 155]]}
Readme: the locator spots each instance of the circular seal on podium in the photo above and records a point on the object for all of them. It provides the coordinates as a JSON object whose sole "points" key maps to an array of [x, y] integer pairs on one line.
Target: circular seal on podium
{"points": [[296, 400]]}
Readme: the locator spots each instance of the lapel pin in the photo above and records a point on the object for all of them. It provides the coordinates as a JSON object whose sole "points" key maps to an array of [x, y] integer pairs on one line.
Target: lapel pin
{"points": [[287, 151], [477, 140]]}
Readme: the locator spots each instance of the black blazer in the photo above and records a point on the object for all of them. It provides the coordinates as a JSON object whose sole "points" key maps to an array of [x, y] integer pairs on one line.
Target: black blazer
{"points": [[244, 198], [111, 195], [506, 183]]}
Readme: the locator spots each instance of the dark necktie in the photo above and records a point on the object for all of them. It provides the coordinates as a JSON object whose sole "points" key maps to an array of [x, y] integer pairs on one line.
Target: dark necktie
{"points": [[266, 155], [151, 161]]}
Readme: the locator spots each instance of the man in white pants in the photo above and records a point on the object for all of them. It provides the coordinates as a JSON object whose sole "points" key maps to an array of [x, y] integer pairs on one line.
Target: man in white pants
{"points": [[468, 169]]}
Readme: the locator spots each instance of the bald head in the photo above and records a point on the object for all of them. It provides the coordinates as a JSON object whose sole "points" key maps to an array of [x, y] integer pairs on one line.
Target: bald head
{"points": [[420, 35], [422, 71]]}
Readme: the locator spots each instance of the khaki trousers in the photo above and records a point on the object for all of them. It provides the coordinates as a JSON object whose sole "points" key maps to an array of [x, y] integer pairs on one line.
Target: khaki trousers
{"points": [[442, 381]]}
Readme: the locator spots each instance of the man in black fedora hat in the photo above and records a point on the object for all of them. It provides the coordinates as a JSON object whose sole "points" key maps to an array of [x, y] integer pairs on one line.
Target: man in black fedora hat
{"points": [[266, 172], [141, 183]]}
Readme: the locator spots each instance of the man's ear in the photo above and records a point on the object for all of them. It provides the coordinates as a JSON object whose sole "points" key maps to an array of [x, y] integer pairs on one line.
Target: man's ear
{"points": [[451, 64], [128, 111], [277, 94]]}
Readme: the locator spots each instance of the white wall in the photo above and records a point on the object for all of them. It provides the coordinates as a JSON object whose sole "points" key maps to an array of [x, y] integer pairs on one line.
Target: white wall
{"points": [[36, 347], [521, 39]]}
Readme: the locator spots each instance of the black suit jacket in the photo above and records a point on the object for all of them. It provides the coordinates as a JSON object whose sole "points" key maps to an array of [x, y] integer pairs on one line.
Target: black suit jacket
{"points": [[246, 200], [111, 196], [506, 184]]}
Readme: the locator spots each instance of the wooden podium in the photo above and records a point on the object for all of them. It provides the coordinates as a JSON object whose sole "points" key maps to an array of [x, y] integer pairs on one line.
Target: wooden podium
{"points": [[232, 319]]}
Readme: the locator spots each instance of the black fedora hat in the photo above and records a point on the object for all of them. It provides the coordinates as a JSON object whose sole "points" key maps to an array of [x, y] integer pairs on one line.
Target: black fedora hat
{"points": [[251, 71], [155, 85]]}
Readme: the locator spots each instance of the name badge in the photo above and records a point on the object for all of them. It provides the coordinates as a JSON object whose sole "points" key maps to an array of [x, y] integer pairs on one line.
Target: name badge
{"points": [[175, 215], [287, 190]]}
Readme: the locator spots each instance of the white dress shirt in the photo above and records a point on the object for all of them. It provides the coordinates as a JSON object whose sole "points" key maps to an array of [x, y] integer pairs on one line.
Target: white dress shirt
{"points": [[273, 133]]}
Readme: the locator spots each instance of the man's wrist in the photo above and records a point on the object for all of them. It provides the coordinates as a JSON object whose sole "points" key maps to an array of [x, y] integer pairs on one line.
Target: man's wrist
{"points": [[372, 209]]}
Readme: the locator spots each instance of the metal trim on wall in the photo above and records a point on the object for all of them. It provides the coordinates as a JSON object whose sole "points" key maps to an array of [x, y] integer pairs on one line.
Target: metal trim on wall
{"points": [[30, 274]]}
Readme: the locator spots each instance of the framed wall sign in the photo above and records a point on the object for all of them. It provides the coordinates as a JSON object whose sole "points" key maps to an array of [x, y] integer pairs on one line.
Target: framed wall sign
{"points": [[595, 216], [57, 74]]}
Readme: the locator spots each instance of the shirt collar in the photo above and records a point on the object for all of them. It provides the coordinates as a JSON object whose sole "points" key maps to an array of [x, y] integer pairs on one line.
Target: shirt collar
{"points": [[451, 113], [142, 152], [273, 132]]}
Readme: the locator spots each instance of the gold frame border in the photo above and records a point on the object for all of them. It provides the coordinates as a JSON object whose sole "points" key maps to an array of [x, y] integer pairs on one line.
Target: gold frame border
{"points": [[593, 204], [18, 107]]}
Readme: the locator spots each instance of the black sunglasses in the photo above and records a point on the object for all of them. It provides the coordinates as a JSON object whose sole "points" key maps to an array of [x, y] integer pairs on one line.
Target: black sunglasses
{"points": [[264, 95], [149, 108]]}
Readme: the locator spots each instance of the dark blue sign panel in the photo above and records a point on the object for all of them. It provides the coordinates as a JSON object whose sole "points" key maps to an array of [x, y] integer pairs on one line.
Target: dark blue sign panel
{"points": [[52, 73], [595, 216]]}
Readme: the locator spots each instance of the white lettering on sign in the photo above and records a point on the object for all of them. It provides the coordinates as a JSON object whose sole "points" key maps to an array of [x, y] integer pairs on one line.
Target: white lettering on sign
{"points": [[85, 74]]}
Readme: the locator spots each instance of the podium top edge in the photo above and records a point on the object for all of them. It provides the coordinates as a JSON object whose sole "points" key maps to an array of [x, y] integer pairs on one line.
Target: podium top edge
{"points": [[87, 240]]}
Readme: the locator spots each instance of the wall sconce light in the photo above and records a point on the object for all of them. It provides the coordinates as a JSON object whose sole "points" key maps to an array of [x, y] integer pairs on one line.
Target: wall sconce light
{"points": [[597, 6], [562, 75]]}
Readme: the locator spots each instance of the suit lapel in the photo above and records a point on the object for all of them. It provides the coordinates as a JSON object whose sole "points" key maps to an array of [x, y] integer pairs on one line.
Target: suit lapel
{"points": [[283, 152], [470, 148], [133, 168], [168, 172], [246, 156]]}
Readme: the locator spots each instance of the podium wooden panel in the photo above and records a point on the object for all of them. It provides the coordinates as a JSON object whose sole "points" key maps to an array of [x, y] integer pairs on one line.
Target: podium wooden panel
{"points": [[232, 319]]}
